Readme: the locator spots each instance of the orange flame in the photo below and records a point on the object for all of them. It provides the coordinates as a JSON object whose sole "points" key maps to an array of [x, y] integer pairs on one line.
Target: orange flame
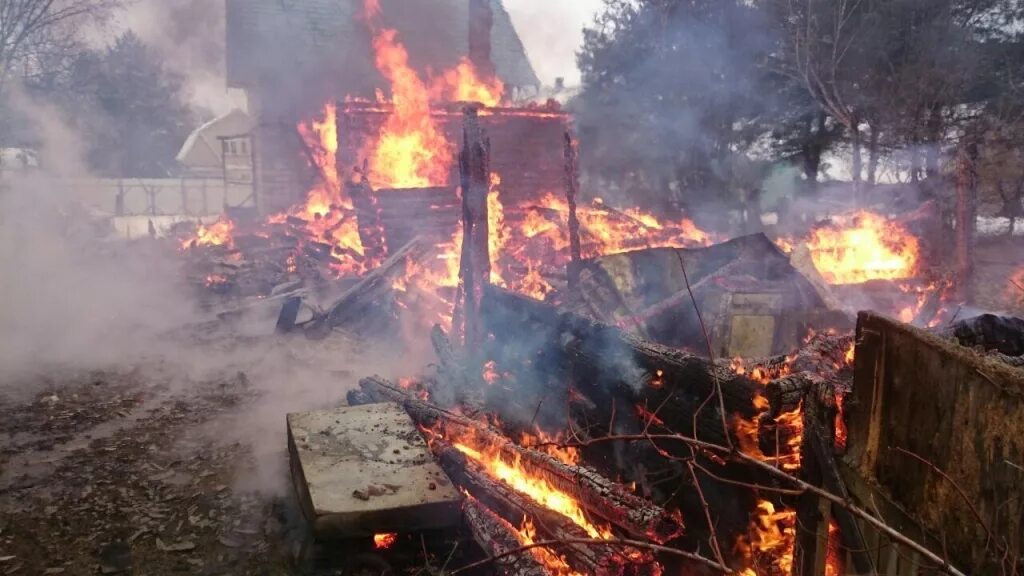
{"points": [[384, 541], [770, 542], [835, 561], [463, 84], [220, 233], [410, 151], [555, 564], [863, 246], [328, 212], [533, 485]]}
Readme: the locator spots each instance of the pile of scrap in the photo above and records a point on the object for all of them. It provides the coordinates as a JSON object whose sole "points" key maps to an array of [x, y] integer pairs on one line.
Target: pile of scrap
{"points": [[753, 302]]}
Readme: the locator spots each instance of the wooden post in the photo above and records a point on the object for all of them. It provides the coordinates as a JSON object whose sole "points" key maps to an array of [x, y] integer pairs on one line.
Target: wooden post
{"points": [[475, 268], [572, 182]]}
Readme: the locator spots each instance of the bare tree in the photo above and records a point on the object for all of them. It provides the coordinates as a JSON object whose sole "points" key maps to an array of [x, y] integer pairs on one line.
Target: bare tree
{"points": [[32, 29]]}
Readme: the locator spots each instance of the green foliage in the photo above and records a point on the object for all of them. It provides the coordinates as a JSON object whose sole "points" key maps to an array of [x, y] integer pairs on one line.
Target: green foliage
{"points": [[130, 111], [676, 90]]}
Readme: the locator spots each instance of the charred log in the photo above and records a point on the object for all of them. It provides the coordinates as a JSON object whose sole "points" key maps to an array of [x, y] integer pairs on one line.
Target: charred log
{"points": [[989, 332], [513, 506], [600, 496], [497, 537]]}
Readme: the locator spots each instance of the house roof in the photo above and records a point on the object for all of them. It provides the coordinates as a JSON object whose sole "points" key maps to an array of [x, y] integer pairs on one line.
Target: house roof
{"points": [[274, 41], [202, 148]]}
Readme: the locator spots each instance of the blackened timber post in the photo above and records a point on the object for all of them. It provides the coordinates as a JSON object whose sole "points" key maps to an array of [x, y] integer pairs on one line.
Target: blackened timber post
{"points": [[572, 180], [475, 268]]}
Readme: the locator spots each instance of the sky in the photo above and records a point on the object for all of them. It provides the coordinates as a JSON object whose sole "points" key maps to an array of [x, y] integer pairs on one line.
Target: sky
{"points": [[552, 31]]}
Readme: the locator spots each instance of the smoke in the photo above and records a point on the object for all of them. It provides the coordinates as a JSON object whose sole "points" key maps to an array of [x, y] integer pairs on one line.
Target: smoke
{"points": [[190, 36], [69, 297]]}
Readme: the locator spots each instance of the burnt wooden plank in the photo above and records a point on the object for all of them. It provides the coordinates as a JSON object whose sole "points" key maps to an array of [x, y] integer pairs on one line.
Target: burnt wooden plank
{"points": [[957, 409]]}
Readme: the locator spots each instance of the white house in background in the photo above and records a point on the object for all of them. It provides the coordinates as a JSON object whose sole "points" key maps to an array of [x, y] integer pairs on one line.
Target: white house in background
{"points": [[202, 155]]}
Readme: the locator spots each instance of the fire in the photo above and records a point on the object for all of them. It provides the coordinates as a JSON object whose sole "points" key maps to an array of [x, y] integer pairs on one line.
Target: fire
{"points": [[863, 246], [835, 561], [840, 424], [410, 151], [328, 212], [463, 84], [556, 564], [771, 541], [497, 233], [540, 490], [384, 541], [220, 233]]}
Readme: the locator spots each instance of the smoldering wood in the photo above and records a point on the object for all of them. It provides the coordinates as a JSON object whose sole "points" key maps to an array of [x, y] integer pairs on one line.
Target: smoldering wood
{"points": [[607, 499], [513, 506], [819, 464], [498, 537], [1002, 334], [616, 367], [359, 300], [786, 394]]}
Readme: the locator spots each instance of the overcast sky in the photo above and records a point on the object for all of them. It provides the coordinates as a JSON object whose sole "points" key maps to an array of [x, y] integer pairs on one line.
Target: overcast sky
{"points": [[552, 31]]}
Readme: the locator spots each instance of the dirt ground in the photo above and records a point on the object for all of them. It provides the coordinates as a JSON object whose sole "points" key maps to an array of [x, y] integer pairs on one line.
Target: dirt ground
{"points": [[175, 466]]}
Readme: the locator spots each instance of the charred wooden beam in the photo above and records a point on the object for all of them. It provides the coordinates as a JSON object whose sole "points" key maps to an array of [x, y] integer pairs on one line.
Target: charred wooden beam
{"points": [[514, 506], [375, 286], [785, 394], [609, 500], [475, 266], [498, 538], [572, 184], [820, 467]]}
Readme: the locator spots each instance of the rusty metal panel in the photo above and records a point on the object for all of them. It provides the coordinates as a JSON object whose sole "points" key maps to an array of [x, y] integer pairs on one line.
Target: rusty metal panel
{"points": [[958, 410]]}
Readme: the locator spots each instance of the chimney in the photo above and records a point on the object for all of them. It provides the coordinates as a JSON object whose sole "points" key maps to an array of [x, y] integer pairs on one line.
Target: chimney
{"points": [[481, 18]]}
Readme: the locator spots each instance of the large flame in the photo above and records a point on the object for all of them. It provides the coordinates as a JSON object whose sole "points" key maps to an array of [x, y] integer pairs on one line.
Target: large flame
{"points": [[464, 84], [327, 212], [770, 541], [522, 480], [863, 246], [411, 151]]}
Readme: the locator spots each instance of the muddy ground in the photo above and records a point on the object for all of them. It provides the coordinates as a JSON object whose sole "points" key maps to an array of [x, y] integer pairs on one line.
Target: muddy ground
{"points": [[177, 465]]}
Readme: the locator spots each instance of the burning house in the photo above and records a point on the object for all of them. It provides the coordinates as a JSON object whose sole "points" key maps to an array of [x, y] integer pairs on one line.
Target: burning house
{"points": [[613, 393], [294, 58]]}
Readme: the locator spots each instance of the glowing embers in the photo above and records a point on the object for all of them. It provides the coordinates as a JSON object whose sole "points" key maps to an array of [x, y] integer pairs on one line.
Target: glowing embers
{"points": [[384, 541], [862, 246]]}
